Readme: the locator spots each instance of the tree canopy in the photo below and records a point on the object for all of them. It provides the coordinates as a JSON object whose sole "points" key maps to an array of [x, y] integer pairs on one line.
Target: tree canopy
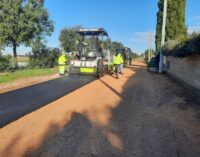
{"points": [[22, 22], [147, 53], [68, 38], [114, 45], [43, 56]]}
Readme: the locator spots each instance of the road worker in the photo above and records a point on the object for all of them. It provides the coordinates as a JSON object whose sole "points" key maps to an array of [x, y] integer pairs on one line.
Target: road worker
{"points": [[118, 62], [124, 56], [61, 63], [122, 65]]}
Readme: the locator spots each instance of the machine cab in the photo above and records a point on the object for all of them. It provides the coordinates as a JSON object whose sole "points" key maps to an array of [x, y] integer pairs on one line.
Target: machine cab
{"points": [[92, 54]]}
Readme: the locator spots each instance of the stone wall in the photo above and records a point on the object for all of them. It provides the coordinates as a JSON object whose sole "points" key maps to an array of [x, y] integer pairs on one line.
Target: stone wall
{"points": [[186, 71]]}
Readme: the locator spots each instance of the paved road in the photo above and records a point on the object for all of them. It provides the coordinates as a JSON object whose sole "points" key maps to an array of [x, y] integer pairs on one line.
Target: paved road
{"points": [[18, 103]]}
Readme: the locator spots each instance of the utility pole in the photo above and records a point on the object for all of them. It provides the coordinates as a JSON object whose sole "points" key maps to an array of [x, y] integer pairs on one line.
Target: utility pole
{"points": [[150, 47], [149, 57], [163, 36], [151, 53]]}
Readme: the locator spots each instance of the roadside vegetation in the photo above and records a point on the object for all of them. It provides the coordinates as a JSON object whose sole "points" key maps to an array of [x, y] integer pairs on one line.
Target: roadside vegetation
{"points": [[178, 42], [41, 60], [25, 73], [175, 24], [16, 30], [149, 53], [188, 47], [43, 56], [5, 62]]}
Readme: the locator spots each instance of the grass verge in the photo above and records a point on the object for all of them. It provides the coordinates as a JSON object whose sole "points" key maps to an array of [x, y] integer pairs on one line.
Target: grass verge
{"points": [[25, 73]]}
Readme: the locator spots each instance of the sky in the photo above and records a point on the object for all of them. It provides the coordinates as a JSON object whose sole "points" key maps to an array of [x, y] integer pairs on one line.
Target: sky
{"points": [[127, 21]]}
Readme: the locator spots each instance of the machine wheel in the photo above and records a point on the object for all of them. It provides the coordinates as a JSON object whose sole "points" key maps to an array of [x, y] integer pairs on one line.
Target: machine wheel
{"points": [[106, 69], [100, 68]]}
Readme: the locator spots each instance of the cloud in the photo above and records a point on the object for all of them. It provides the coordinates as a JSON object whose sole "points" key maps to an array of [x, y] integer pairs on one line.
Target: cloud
{"points": [[196, 18], [140, 37], [140, 41], [192, 29]]}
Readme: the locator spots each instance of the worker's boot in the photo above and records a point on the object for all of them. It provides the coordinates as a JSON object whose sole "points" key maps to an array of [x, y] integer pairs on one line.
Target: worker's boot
{"points": [[117, 76], [117, 71], [121, 73]]}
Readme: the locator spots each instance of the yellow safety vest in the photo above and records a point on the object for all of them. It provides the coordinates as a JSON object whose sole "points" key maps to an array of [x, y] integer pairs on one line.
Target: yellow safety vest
{"points": [[118, 59], [61, 60]]}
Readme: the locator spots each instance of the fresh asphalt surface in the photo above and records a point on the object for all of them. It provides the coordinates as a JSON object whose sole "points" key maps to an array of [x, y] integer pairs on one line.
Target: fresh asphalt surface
{"points": [[18, 103]]}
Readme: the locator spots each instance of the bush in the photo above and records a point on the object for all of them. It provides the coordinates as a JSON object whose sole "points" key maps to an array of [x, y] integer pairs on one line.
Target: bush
{"points": [[44, 57], [5, 62], [152, 63], [187, 48], [146, 54]]}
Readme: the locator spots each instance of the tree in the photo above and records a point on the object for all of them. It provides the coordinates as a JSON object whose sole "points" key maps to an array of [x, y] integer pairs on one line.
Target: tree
{"points": [[1, 48], [175, 24], [42, 56], [115, 45], [193, 35], [147, 53], [22, 22], [135, 55], [68, 38], [159, 25]]}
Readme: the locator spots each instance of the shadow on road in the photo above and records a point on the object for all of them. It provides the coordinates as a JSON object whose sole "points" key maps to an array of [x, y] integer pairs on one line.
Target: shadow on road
{"points": [[15, 104], [111, 88]]}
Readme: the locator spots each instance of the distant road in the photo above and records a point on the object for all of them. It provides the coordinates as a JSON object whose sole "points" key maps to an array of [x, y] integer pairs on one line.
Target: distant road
{"points": [[18, 103]]}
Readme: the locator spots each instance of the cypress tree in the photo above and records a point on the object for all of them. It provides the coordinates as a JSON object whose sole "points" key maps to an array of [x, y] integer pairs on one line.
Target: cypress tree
{"points": [[175, 24], [159, 24]]}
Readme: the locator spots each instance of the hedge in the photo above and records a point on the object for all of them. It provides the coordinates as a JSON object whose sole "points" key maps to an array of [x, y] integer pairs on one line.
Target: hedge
{"points": [[44, 57], [5, 62], [184, 49]]}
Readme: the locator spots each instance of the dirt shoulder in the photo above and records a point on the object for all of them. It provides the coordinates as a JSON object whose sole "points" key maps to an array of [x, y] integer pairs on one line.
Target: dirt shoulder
{"points": [[141, 114], [25, 82]]}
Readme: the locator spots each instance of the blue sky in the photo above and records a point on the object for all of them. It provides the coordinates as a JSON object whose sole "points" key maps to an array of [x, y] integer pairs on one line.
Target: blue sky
{"points": [[127, 21]]}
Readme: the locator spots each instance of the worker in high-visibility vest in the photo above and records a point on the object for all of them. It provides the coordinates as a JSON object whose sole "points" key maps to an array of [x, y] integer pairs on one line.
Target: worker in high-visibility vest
{"points": [[118, 62], [61, 63]]}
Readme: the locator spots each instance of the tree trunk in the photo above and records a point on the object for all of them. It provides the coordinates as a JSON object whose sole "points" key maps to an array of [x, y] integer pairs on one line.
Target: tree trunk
{"points": [[15, 55]]}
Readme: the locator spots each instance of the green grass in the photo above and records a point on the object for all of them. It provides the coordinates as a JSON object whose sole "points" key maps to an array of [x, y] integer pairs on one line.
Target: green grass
{"points": [[25, 73]]}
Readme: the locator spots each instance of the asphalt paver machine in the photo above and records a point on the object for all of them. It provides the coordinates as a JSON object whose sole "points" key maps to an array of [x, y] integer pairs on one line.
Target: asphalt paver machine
{"points": [[93, 55]]}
